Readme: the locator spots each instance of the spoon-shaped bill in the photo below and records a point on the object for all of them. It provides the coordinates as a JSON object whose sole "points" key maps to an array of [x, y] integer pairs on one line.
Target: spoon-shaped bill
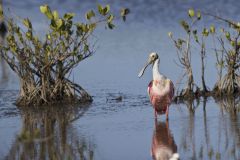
{"points": [[143, 69]]}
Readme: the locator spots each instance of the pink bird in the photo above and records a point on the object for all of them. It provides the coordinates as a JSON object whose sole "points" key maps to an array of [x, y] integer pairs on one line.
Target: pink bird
{"points": [[160, 89]]}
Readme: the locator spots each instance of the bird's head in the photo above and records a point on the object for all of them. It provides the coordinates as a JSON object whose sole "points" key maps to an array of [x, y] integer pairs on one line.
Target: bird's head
{"points": [[151, 59]]}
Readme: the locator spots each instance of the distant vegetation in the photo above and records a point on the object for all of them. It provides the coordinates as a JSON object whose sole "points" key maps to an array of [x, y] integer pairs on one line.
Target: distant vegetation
{"points": [[43, 65], [225, 48]]}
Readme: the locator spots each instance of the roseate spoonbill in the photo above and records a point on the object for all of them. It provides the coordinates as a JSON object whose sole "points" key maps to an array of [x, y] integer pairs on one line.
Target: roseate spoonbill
{"points": [[160, 89], [163, 145]]}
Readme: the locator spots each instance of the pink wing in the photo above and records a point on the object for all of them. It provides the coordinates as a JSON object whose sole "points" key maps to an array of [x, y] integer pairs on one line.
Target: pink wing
{"points": [[160, 102], [149, 87]]}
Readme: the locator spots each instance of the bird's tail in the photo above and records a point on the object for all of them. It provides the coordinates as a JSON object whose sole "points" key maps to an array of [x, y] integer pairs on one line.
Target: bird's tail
{"points": [[175, 156]]}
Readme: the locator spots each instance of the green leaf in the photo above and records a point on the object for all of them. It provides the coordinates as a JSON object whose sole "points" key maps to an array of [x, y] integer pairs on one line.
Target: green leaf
{"points": [[79, 28], [27, 23], [68, 16], [59, 23], [212, 29], [44, 9], [92, 26], [47, 11], [55, 15], [110, 18], [180, 42], [49, 15], [29, 35], [84, 27], [191, 13], [185, 26], [100, 9], [196, 38], [106, 10], [205, 32], [228, 36], [199, 15], [195, 35], [124, 11], [111, 26], [232, 43], [103, 11], [48, 36], [90, 14]]}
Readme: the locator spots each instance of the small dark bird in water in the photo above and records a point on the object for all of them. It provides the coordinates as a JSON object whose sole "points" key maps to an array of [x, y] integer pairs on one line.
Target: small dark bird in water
{"points": [[117, 99]]}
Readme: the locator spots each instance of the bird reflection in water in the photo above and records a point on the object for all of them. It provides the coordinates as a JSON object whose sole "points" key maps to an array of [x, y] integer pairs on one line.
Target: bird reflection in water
{"points": [[163, 145]]}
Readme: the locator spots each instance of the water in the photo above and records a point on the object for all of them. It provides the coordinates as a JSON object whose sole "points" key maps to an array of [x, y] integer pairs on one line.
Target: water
{"points": [[108, 129]]}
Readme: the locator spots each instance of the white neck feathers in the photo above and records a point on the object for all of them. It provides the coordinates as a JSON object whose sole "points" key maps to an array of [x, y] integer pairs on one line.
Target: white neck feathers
{"points": [[156, 74]]}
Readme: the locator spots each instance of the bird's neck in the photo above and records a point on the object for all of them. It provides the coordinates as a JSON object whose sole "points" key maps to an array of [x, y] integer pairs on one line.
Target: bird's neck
{"points": [[156, 75]]}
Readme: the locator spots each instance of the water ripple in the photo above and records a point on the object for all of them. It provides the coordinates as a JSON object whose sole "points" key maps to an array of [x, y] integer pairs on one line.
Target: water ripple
{"points": [[7, 107]]}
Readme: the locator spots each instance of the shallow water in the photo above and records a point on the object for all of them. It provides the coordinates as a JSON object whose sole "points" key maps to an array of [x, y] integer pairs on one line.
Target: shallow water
{"points": [[108, 129]]}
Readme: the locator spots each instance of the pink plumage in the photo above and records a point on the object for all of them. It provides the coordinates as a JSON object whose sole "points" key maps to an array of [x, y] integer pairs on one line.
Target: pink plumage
{"points": [[160, 89], [160, 100]]}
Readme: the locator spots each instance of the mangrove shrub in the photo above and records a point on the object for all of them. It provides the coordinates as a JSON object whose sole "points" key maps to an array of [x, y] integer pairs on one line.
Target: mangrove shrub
{"points": [[226, 46], [43, 64]]}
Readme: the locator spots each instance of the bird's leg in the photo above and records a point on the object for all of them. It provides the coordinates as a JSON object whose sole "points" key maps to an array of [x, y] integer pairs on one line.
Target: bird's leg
{"points": [[156, 123], [167, 125], [167, 112], [155, 113]]}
